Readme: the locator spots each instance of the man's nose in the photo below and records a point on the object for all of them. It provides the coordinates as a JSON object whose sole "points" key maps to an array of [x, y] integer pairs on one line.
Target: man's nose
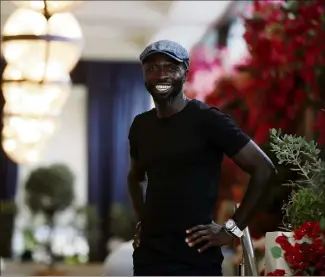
{"points": [[161, 72]]}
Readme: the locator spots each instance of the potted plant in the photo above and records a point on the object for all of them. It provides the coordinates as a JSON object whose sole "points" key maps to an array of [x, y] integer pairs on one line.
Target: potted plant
{"points": [[49, 190], [300, 250]]}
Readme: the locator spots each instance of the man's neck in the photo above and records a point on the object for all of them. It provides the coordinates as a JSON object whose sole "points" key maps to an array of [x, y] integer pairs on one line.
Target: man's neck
{"points": [[169, 108]]}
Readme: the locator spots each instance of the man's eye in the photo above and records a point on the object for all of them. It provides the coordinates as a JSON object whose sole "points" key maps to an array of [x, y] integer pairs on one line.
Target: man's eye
{"points": [[172, 69]]}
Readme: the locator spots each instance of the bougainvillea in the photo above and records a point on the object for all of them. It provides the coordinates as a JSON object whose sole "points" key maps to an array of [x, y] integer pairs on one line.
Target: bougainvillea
{"points": [[283, 77], [286, 42], [206, 67]]}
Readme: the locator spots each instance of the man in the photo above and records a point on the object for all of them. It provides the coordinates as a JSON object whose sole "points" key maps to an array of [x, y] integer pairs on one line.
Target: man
{"points": [[177, 148]]}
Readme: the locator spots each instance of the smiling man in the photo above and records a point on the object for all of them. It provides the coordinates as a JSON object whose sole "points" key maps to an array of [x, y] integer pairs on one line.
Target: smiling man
{"points": [[177, 149]]}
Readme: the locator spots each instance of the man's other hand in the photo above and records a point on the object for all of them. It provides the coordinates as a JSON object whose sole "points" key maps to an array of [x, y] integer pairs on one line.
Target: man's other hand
{"points": [[136, 239]]}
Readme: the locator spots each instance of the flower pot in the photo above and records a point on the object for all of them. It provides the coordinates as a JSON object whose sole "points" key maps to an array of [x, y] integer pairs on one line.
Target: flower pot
{"points": [[272, 263]]}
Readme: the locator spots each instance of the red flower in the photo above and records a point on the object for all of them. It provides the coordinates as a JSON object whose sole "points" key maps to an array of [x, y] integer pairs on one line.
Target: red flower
{"points": [[299, 234], [318, 246], [309, 230], [281, 239], [320, 265], [305, 256], [283, 242], [277, 272]]}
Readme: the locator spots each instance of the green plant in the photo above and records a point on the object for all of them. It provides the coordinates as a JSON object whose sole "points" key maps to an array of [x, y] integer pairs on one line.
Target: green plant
{"points": [[50, 189], [307, 199]]}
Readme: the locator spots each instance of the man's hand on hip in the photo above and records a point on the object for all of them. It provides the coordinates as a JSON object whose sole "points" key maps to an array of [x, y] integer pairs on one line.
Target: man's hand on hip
{"points": [[210, 235]]}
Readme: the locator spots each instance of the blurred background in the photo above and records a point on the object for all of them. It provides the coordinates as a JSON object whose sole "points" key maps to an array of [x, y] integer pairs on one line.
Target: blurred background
{"points": [[71, 85]]}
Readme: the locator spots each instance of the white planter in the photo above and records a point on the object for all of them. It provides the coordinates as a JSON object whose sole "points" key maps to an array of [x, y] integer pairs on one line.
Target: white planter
{"points": [[271, 263]]}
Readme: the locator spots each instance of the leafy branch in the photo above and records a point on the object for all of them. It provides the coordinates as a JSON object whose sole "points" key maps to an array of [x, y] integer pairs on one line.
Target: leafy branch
{"points": [[307, 199], [300, 155]]}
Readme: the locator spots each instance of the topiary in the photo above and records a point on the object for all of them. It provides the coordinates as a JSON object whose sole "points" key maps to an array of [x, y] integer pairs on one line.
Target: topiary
{"points": [[49, 189]]}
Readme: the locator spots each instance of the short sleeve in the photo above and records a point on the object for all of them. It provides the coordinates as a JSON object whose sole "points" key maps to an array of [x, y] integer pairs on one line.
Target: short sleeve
{"points": [[223, 132], [133, 140]]}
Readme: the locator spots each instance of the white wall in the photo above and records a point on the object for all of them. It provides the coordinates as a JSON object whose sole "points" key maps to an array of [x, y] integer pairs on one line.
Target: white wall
{"points": [[68, 146]]}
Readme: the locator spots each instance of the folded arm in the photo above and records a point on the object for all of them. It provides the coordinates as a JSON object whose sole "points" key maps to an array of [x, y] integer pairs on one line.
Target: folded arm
{"points": [[223, 132]]}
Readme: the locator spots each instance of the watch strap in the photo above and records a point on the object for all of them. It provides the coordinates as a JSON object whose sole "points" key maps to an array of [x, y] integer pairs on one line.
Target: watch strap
{"points": [[237, 232], [229, 233]]}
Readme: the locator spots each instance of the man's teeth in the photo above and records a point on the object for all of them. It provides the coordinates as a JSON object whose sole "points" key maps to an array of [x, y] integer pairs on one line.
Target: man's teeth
{"points": [[163, 87]]}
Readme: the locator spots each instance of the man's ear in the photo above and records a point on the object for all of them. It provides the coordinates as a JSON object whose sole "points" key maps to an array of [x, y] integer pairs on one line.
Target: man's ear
{"points": [[142, 68], [185, 75]]}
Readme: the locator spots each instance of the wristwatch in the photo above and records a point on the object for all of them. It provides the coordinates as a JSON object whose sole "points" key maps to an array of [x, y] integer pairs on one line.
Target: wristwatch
{"points": [[231, 228]]}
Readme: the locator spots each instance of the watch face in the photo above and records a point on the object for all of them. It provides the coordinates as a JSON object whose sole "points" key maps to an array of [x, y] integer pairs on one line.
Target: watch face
{"points": [[230, 224]]}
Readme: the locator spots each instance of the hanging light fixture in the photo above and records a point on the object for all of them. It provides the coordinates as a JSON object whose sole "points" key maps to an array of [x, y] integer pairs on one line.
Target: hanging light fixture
{"points": [[30, 113], [36, 43], [36, 98], [52, 6], [40, 47], [24, 138]]}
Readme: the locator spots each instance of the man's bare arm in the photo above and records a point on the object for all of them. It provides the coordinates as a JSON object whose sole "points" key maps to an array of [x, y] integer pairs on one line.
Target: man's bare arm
{"points": [[262, 171], [136, 176]]}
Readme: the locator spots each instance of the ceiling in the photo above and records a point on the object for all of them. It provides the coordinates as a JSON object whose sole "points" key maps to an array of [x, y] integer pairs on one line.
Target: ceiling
{"points": [[119, 30]]}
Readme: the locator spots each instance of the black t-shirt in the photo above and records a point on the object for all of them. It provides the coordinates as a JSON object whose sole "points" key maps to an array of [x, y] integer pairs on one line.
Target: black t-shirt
{"points": [[182, 156]]}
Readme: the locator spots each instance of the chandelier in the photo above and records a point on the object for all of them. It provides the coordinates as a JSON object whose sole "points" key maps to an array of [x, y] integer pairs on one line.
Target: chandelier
{"points": [[41, 43], [52, 7]]}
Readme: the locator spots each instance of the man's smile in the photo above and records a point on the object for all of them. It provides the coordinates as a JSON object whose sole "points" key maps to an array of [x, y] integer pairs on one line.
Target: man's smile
{"points": [[163, 88]]}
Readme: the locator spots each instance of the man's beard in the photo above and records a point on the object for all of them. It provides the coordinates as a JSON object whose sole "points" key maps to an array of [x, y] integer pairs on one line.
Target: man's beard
{"points": [[165, 99]]}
